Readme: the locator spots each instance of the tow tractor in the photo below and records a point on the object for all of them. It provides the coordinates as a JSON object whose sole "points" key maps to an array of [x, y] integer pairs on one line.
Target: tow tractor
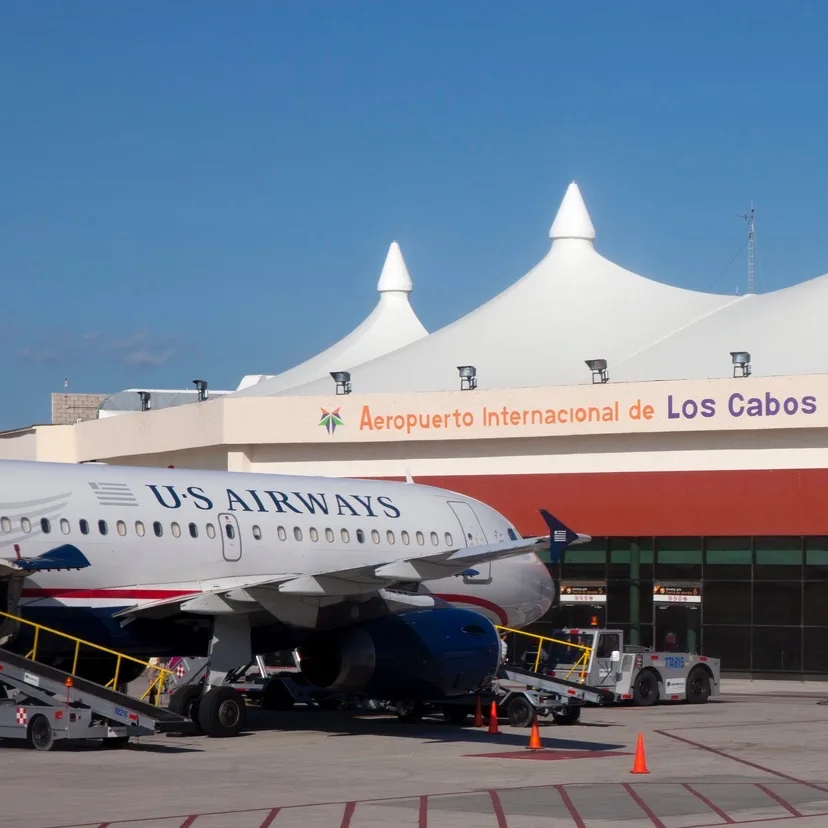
{"points": [[599, 659]]}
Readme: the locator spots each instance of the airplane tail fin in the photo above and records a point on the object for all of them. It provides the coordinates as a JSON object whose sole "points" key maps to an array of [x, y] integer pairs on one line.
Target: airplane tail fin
{"points": [[560, 536]]}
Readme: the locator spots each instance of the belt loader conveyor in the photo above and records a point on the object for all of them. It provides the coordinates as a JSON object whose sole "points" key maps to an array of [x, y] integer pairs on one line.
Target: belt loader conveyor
{"points": [[53, 705]]}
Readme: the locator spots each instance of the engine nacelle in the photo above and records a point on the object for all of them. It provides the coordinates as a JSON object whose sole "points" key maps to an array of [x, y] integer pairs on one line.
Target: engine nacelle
{"points": [[420, 655]]}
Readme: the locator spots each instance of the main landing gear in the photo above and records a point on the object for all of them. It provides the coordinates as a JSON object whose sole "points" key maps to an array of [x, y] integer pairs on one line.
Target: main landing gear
{"points": [[217, 709]]}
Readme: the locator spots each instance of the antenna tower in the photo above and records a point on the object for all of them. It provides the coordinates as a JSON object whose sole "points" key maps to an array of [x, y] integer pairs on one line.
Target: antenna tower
{"points": [[748, 217]]}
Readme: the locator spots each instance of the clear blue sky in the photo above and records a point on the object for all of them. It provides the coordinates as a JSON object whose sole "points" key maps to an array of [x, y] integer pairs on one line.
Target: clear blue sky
{"points": [[209, 189]]}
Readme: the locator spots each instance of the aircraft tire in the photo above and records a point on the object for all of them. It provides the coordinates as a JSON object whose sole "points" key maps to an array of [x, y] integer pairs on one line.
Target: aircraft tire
{"points": [[222, 712], [185, 701]]}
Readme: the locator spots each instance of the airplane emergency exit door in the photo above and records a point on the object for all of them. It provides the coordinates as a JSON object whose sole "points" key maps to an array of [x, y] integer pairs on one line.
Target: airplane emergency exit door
{"points": [[473, 535], [230, 537]]}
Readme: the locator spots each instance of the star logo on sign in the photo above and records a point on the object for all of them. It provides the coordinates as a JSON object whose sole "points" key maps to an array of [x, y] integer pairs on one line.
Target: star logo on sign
{"points": [[330, 420]]}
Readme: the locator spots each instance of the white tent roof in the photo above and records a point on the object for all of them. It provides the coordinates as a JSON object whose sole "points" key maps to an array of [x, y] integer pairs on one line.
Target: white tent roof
{"points": [[572, 306], [391, 325]]}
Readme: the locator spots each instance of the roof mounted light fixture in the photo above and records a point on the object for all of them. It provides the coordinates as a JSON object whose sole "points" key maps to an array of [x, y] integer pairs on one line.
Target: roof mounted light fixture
{"points": [[599, 370], [741, 363], [201, 385], [468, 377], [145, 400], [343, 381]]}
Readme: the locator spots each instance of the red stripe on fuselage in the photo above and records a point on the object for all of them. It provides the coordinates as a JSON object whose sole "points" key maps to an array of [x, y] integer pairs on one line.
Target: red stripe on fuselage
{"points": [[478, 602], [134, 594]]}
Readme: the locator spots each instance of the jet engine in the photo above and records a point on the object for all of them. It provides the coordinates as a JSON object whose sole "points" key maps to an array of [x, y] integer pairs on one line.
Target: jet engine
{"points": [[419, 655]]}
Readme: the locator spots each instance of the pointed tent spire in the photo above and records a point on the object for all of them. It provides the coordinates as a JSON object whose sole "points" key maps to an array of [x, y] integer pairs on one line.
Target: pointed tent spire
{"points": [[572, 221], [394, 276]]}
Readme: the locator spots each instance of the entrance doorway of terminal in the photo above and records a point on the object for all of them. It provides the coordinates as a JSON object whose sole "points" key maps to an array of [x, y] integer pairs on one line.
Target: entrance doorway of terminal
{"points": [[583, 604], [677, 616]]}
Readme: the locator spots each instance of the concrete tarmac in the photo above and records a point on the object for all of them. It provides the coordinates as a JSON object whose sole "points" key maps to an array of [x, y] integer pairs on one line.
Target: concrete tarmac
{"points": [[756, 756]]}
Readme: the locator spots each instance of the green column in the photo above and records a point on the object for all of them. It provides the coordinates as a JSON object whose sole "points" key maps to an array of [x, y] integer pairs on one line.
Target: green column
{"points": [[635, 593]]}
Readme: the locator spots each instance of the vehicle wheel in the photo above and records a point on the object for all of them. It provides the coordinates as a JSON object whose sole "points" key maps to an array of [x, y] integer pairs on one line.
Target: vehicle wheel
{"points": [[570, 716], [454, 714], [645, 690], [276, 696], [222, 712], [698, 686], [185, 701], [115, 742], [40, 733], [410, 712], [520, 712]]}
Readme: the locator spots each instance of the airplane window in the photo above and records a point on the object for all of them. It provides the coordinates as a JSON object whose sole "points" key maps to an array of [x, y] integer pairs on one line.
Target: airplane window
{"points": [[390, 536], [102, 527], [157, 528], [257, 532], [5, 523], [121, 526], [435, 539], [314, 535], [83, 524], [45, 526], [25, 524], [329, 535], [360, 535], [420, 538], [64, 526], [139, 528], [449, 540], [229, 530], [176, 530], [281, 533], [193, 530], [375, 536], [211, 530], [404, 536], [345, 536], [297, 533]]}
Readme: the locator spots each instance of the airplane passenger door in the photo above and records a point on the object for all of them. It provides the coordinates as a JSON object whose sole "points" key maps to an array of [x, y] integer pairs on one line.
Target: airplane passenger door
{"points": [[230, 537], [473, 535]]}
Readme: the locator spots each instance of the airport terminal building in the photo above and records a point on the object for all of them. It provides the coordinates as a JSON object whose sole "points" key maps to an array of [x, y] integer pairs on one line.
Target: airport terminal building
{"points": [[686, 432]]}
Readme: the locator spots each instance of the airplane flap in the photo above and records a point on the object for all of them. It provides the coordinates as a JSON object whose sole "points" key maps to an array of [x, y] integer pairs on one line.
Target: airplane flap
{"points": [[64, 557]]}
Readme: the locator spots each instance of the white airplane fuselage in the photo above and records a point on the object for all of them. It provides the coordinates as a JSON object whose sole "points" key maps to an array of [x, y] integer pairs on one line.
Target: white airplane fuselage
{"points": [[151, 533]]}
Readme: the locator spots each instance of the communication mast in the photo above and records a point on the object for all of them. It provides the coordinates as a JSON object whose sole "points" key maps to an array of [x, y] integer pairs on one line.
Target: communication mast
{"points": [[748, 217]]}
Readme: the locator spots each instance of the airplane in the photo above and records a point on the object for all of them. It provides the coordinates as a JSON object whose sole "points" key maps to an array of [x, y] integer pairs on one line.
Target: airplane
{"points": [[384, 589]]}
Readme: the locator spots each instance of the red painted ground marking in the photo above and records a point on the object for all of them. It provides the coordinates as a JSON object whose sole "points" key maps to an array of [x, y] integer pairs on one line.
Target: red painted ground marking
{"points": [[570, 806], [724, 755], [775, 796], [190, 820], [643, 805], [715, 808], [268, 821], [548, 754], [497, 807], [422, 821], [350, 807]]}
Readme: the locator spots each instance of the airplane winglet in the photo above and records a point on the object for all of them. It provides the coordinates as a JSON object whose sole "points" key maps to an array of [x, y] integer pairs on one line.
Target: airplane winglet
{"points": [[61, 558], [560, 536], [408, 477]]}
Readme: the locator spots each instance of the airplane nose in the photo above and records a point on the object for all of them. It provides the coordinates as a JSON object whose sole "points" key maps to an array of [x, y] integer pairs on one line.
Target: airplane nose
{"points": [[535, 591]]}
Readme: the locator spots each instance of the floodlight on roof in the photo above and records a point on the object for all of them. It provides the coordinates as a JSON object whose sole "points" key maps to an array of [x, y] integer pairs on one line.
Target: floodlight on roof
{"points": [[145, 400], [343, 381], [468, 377], [599, 370], [741, 363], [201, 385]]}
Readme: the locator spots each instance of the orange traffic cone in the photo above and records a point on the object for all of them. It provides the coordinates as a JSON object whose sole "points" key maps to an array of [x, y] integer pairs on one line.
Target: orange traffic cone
{"points": [[493, 718], [639, 763], [478, 715], [534, 738]]}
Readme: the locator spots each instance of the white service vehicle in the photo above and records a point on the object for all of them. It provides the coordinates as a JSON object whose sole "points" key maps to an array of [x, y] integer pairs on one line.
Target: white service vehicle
{"points": [[599, 658]]}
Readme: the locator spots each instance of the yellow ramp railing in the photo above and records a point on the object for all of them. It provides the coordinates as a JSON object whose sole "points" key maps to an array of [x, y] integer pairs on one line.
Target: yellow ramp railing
{"points": [[583, 661], [157, 683]]}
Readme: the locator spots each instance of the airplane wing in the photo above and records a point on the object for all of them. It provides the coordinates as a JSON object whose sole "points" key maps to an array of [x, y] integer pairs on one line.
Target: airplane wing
{"points": [[250, 595]]}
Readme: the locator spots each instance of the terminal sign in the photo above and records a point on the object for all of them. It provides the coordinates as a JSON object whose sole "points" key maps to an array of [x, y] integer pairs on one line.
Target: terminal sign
{"points": [[676, 594]]}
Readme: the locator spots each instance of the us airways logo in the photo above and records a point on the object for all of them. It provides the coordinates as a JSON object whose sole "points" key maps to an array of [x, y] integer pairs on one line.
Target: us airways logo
{"points": [[330, 420], [269, 500]]}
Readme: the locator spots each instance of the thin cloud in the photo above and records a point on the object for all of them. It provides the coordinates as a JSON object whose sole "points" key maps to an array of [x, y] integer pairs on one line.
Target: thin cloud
{"points": [[44, 357], [144, 357]]}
